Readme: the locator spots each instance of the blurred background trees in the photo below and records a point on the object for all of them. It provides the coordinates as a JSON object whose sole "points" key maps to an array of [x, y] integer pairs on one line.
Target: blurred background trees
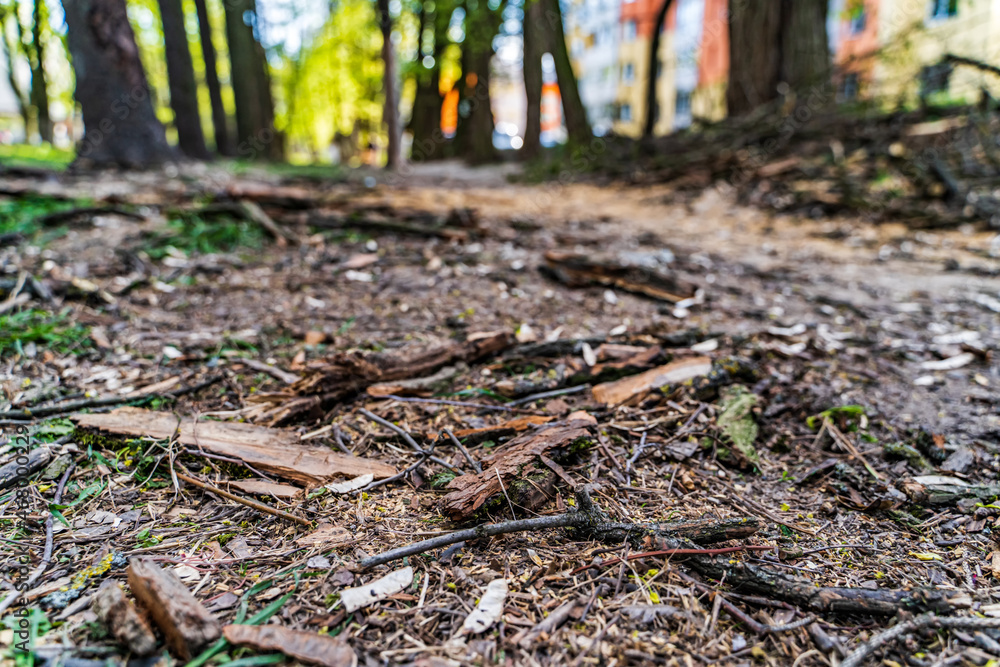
{"points": [[380, 82]]}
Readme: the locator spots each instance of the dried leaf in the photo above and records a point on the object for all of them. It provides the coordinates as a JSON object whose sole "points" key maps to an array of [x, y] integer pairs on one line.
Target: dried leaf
{"points": [[380, 589], [489, 609], [352, 484], [326, 535]]}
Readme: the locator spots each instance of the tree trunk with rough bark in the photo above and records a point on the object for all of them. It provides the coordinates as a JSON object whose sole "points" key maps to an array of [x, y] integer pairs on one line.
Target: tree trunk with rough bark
{"points": [[256, 138], [780, 41], [180, 77], [120, 126], [577, 126], [39, 82], [220, 124], [534, 40], [652, 104], [474, 135], [23, 104], [390, 113]]}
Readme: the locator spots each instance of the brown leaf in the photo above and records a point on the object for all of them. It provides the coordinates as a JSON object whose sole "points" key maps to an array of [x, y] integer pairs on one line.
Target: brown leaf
{"points": [[326, 535]]}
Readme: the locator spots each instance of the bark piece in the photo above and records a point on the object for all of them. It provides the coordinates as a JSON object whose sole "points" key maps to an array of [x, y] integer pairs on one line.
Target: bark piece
{"points": [[517, 464], [120, 616], [187, 626], [946, 490], [263, 488], [275, 451], [380, 589], [305, 646], [619, 391], [581, 270], [424, 386]]}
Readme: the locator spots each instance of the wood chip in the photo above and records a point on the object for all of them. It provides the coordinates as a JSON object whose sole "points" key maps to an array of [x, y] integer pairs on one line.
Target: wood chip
{"points": [[187, 626], [577, 270], [124, 621], [308, 647], [619, 391], [326, 535], [276, 451], [517, 461]]}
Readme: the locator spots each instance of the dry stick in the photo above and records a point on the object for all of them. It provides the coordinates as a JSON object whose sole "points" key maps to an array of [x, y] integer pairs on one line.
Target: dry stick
{"points": [[849, 446], [465, 452], [61, 408], [458, 404], [684, 430], [859, 655], [407, 437], [46, 552], [261, 507], [677, 552], [550, 394], [488, 530]]}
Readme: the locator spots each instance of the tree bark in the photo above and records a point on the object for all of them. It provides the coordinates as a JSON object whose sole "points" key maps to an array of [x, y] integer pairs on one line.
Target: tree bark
{"points": [[577, 125], [120, 126], [775, 42], [39, 83], [23, 103], [390, 113], [223, 145], [654, 60], [534, 38], [180, 76], [256, 138], [425, 122], [474, 135]]}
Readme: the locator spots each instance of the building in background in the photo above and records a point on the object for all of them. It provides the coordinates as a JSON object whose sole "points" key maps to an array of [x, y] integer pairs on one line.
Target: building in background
{"points": [[593, 36]]}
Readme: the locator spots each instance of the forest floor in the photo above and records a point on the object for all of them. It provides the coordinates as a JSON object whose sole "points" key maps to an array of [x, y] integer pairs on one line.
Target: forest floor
{"points": [[851, 408]]}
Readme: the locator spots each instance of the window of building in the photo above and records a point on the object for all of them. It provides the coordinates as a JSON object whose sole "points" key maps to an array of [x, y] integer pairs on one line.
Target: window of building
{"points": [[849, 87], [943, 9], [628, 31], [935, 79], [628, 73], [625, 112], [858, 18]]}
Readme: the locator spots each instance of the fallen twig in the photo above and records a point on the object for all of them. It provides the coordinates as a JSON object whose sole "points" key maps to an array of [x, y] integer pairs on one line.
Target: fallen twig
{"points": [[858, 656], [46, 552], [261, 507]]}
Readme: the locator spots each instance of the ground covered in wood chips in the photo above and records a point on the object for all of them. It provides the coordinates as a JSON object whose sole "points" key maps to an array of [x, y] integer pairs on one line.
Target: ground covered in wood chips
{"points": [[850, 407]]}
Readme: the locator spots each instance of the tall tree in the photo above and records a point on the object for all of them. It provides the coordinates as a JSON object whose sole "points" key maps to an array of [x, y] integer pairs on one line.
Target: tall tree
{"points": [[33, 44], [577, 126], [120, 126], [782, 41], [653, 69], [474, 135], [10, 51], [223, 146], [390, 115], [425, 120], [256, 137], [534, 46], [180, 77]]}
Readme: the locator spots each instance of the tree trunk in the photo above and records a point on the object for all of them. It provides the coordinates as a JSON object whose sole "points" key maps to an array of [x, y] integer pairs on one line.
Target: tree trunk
{"points": [[256, 138], [180, 76], [805, 47], [474, 135], [223, 146], [120, 126], [577, 125], [390, 113], [654, 61], [23, 105], [39, 84], [534, 38], [775, 42]]}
